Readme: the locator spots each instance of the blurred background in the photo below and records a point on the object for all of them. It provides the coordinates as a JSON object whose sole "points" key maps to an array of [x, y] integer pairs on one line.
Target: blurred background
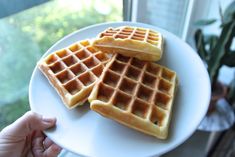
{"points": [[28, 28]]}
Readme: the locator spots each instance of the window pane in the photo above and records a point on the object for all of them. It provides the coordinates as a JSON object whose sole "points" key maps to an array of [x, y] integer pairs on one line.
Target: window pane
{"points": [[167, 14], [25, 36]]}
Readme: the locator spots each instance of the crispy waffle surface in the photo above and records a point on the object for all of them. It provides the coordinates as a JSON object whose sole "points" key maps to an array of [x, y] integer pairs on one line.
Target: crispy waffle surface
{"points": [[73, 71], [137, 94], [141, 43]]}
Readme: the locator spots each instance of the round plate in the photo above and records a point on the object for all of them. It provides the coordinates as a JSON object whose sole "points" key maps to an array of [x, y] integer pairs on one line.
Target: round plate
{"points": [[85, 132]]}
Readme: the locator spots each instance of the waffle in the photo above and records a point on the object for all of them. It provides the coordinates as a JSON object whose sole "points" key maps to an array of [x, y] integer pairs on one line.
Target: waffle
{"points": [[142, 43], [137, 94], [73, 71]]}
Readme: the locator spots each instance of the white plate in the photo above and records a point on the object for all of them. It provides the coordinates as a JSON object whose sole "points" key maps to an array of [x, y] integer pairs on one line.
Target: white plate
{"points": [[85, 132]]}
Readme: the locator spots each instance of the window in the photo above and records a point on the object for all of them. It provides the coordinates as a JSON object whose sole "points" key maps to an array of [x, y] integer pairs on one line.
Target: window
{"points": [[26, 35], [166, 14]]}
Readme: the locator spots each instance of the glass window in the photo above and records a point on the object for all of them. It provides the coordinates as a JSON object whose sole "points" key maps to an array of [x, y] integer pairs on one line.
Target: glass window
{"points": [[25, 36], [167, 14]]}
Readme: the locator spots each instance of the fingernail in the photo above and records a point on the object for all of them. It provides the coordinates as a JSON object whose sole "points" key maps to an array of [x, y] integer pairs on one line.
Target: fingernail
{"points": [[48, 120], [57, 148]]}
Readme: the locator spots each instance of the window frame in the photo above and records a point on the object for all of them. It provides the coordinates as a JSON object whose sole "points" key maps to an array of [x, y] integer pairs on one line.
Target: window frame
{"points": [[8, 8], [195, 10]]}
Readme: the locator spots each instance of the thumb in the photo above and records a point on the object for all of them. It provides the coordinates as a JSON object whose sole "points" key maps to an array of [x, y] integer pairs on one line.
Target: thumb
{"points": [[26, 124]]}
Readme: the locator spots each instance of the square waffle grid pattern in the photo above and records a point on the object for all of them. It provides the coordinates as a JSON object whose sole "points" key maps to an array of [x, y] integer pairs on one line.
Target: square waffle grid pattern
{"points": [[75, 70], [140, 89], [135, 33]]}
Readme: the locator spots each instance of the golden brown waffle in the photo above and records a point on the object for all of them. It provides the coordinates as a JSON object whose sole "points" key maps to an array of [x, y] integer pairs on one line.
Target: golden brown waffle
{"points": [[137, 94], [142, 43], [73, 71]]}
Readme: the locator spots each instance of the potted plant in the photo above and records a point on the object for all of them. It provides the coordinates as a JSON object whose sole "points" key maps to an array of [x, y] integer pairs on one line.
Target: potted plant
{"points": [[215, 51], [231, 92]]}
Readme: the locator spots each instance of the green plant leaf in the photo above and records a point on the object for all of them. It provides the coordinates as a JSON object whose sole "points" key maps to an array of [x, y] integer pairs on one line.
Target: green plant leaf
{"points": [[205, 22], [221, 13], [200, 44], [219, 51], [229, 59], [211, 40], [229, 13]]}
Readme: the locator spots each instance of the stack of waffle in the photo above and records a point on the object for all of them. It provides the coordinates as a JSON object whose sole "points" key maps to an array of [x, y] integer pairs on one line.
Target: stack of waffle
{"points": [[124, 86]]}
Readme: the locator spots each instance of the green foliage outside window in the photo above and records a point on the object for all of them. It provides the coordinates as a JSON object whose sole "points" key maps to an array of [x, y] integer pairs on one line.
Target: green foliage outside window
{"points": [[27, 35]]}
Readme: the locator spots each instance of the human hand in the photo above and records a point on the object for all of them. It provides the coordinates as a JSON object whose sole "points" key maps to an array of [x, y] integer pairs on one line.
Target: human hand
{"points": [[24, 137]]}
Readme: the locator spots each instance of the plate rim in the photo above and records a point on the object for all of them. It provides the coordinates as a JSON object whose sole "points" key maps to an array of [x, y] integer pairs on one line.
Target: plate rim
{"points": [[106, 24]]}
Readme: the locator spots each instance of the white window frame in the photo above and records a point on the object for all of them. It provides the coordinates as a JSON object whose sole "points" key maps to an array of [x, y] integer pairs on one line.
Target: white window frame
{"points": [[195, 10]]}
